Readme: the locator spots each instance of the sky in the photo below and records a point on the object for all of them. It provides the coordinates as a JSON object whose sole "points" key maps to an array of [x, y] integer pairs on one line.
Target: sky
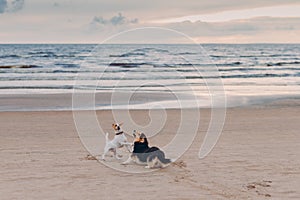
{"points": [[96, 21]]}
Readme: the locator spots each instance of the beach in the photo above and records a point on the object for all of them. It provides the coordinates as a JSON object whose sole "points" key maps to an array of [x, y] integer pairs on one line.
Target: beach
{"points": [[57, 99], [256, 157], [213, 86]]}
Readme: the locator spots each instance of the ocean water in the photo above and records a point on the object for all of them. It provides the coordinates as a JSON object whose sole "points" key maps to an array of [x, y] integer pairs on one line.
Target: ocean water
{"points": [[244, 69]]}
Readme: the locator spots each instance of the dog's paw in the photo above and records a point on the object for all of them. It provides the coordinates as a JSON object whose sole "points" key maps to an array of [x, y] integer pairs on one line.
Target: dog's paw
{"points": [[124, 163], [147, 167]]}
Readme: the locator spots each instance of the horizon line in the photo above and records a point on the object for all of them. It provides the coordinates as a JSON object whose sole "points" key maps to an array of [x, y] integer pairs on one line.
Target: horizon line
{"points": [[88, 43]]}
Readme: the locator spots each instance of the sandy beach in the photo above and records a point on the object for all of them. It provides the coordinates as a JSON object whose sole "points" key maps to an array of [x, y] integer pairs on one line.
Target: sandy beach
{"points": [[257, 157], [214, 85]]}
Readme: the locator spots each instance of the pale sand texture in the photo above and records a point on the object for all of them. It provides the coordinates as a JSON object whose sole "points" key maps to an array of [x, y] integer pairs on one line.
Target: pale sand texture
{"points": [[257, 157]]}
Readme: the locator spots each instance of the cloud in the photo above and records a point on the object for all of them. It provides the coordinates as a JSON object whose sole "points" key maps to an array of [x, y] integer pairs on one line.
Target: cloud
{"points": [[11, 6], [115, 20], [158, 9], [118, 20], [114, 24], [17, 5], [55, 4], [236, 27], [3, 6], [253, 30]]}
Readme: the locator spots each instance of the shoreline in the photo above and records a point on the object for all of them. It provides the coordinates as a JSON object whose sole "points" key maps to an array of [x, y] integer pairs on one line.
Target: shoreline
{"points": [[139, 101]]}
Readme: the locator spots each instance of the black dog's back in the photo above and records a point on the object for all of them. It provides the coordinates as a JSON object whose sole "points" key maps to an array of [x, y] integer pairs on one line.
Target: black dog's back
{"points": [[152, 149], [157, 153], [146, 153]]}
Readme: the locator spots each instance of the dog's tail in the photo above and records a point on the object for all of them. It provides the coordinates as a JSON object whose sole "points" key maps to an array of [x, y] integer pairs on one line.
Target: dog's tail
{"points": [[106, 137], [165, 160], [161, 157]]}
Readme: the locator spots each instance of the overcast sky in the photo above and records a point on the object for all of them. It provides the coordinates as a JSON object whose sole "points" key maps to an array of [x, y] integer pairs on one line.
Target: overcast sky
{"points": [[205, 21]]}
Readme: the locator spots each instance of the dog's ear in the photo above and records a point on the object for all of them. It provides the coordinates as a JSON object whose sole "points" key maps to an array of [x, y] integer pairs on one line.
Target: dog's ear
{"points": [[143, 136], [113, 125], [121, 123]]}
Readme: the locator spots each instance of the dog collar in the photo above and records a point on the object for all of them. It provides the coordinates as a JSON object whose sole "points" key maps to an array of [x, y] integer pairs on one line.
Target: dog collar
{"points": [[119, 133]]}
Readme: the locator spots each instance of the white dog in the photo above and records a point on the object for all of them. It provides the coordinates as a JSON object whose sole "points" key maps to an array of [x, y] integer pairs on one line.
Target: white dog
{"points": [[119, 141]]}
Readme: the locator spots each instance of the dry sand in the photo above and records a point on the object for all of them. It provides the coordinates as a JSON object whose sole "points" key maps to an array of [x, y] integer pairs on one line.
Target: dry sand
{"points": [[257, 157]]}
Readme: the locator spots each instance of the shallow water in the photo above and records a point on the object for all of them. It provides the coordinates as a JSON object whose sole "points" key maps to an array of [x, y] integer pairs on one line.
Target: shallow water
{"points": [[240, 70]]}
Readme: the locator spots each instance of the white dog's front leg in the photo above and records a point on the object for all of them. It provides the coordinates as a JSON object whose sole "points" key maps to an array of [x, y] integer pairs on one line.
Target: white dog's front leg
{"points": [[128, 146], [126, 143]]}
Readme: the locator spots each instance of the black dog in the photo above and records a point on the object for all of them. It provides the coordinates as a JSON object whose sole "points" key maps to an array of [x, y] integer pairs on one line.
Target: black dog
{"points": [[153, 157]]}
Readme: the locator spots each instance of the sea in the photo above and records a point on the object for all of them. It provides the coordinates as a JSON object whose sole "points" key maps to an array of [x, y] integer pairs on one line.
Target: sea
{"points": [[244, 72]]}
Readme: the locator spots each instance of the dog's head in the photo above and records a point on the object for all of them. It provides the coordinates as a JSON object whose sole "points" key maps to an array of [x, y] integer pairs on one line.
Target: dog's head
{"points": [[117, 126], [140, 143], [139, 137]]}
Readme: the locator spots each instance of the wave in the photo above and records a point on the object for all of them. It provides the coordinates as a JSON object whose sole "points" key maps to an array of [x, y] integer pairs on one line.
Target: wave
{"points": [[67, 65], [127, 55], [157, 77], [11, 56], [49, 54], [259, 75], [126, 65], [258, 69], [156, 65], [36, 87], [283, 63], [149, 49], [267, 55], [19, 66], [139, 52], [64, 71], [40, 52], [229, 64], [217, 56], [267, 75], [185, 53]]}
